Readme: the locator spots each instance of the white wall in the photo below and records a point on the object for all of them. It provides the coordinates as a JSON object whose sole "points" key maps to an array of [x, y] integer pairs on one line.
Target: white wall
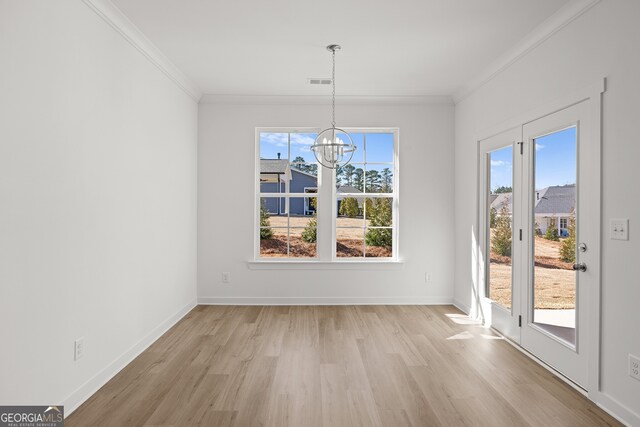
{"points": [[97, 200], [226, 164], [603, 42]]}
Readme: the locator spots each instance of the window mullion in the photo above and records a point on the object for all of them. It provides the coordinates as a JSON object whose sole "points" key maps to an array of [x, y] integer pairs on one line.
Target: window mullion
{"points": [[325, 213]]}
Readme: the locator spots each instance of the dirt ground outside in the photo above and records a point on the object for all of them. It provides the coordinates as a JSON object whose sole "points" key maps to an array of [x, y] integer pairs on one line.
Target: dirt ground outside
{"points": [[350, 234], [555, 280]]}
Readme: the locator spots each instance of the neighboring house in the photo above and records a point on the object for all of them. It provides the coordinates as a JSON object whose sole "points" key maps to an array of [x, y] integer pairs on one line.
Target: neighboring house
{"points": [[277, 176], [552, 203]]}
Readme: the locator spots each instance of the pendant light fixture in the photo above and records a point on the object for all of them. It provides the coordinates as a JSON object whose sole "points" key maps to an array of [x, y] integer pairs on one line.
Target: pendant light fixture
{"points": [[333, 146]]}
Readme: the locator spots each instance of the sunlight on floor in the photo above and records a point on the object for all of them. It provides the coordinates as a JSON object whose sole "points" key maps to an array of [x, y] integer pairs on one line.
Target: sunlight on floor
{"points": [[462, 319]]}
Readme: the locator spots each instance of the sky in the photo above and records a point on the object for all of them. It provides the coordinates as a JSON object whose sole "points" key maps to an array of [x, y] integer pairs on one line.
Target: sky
{"points": [[555, 160], [379, 147]]}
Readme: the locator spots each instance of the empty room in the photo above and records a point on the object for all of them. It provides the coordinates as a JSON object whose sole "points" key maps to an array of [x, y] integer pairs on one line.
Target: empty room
{"points": [[286, 213]]}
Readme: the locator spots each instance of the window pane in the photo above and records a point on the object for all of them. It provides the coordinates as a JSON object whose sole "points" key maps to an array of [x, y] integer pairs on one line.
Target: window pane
{"points": [[301, 147], [358, 140], [302, 242], [379, 178], [273, 144], [350, 178], [500, 205], [379, 148], [302, 211], [379, 211], [379, 242], [554, 247], [303, 176], [349, 212], [272, 211], [273, 242], [350, 242]]}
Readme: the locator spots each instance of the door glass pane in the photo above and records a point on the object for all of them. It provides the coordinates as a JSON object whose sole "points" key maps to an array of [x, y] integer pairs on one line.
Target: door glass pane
{"points": [[500, 219], [554, 247]]}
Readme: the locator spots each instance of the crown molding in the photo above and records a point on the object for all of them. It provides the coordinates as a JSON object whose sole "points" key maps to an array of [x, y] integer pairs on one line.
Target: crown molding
{"points": [[564, 16], [113, 16], [321, 100]]}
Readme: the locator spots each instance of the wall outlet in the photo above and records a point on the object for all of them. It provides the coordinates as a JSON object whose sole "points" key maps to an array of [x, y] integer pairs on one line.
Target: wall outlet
{"points": [[634, 367], [226, 277], [620, 229], [427, 277], [78, 348]]}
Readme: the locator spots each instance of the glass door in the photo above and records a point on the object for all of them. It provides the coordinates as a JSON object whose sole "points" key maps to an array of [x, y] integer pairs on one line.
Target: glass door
{"points": [[499, 213], [558, 221]]}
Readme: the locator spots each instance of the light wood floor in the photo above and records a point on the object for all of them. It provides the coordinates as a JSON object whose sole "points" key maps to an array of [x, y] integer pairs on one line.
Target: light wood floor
{"points": [[334, 366]]}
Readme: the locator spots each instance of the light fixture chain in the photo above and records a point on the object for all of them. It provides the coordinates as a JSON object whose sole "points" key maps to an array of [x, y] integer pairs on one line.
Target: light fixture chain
{"points": [[333, 96]]}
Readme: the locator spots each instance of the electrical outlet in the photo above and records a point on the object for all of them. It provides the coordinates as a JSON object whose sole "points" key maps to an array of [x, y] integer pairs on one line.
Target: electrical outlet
{"points": [[427, 277], [226, 277], [634, 367], [620, 229], [78, 348]]}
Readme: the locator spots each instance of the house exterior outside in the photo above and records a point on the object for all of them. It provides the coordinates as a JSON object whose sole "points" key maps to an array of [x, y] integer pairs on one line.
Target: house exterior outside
{"points": [[556, 203], [277, 176]]}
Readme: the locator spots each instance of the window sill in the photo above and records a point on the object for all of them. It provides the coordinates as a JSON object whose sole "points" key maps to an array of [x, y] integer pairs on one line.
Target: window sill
{"points": [[326, 265]]}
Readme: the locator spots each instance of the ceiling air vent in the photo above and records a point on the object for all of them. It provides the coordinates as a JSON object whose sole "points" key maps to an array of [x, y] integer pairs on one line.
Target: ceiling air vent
{"points": [[319, 81]]}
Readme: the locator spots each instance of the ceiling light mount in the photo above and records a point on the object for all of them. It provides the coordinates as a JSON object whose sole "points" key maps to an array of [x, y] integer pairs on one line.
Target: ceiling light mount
{"points": [[332, 144]]}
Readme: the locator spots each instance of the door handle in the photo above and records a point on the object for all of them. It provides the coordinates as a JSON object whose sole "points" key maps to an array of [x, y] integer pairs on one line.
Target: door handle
{"points": [[580, 267]]}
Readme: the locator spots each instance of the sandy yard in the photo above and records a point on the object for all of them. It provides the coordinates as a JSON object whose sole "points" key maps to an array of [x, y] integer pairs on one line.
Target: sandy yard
{"points": [[554, 278]]}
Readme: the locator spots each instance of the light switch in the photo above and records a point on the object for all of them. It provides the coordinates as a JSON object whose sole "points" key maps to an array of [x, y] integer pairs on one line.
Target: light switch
{"points": [[620, 229]]}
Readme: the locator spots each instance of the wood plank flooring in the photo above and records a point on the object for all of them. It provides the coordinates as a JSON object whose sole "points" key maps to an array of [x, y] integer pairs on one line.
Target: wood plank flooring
{"points": [[334, 366]]}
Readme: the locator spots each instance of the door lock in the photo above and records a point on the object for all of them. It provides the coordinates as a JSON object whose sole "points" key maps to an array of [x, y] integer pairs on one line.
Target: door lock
{"points": [[580, 267]]}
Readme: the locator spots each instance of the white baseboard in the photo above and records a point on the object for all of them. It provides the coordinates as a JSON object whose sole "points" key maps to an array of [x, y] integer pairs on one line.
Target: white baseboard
{"points": [[421, 300], [86, 390], [461, 306], [616, 409]]}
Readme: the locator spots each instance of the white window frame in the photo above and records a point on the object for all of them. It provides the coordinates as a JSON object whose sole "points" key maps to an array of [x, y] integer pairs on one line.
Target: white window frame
{"points": [[326, 210]]}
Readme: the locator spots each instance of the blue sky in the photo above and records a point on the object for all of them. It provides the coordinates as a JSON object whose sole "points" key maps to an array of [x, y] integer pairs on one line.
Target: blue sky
{"points": [[555, 161], [379, 147]]}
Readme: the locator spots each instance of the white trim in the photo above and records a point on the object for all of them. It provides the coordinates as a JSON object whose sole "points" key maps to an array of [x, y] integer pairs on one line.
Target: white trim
{"points": [[323, 100], [575, 97], [366, 264], [113, 16], [563, 17], [417, 300], [616, 409], [461, 306], [86, 390]]}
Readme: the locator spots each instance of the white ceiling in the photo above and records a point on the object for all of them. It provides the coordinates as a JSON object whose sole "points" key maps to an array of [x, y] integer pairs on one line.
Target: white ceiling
{"points": [[399, 47]]}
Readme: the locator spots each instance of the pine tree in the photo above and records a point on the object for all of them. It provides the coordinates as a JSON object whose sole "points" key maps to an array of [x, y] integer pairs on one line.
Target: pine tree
{"points": [[387, 182], [346, 174], [373, 181], [568, 248], [358, 179], [310, 232], [380, 215], [492, 217], [501, 239], [349, 207], [552, 231], [265, 225]]}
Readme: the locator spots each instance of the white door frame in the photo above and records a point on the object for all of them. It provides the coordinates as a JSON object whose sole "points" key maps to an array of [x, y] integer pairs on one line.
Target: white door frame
{"points": [[594, 93], [570, 359], [501, 318]]}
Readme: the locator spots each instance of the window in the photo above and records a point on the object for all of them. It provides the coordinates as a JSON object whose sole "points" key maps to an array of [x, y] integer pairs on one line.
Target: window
{"points": [[563, 223], [352, 214]]}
